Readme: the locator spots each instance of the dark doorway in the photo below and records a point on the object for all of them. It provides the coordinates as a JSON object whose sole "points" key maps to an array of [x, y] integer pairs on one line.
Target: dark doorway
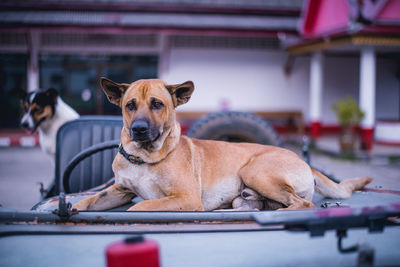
{"points": [[77, 77], [12, 80]]}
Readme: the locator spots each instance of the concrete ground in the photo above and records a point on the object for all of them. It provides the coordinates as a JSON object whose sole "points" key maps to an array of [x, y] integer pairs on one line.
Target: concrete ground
{"points": [[22, 169], [382, 163]]}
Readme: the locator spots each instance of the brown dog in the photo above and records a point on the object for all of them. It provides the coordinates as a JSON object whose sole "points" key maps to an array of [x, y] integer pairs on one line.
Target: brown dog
{"points": [[173, 172]]}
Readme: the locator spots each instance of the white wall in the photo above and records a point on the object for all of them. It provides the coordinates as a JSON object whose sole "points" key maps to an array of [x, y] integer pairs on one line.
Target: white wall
{"points": [[387, 88], [247, 80], [341, 79], [254, 80]]}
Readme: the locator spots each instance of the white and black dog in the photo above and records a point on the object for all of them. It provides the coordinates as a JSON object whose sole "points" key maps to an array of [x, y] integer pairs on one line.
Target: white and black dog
{"points": [[46, 111]]}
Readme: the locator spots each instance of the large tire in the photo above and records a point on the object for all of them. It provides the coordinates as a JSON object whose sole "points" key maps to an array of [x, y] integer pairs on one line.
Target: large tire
{"points": [[234, 126]]}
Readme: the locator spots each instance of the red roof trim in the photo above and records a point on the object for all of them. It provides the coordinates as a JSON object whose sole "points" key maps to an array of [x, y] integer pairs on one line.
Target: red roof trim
{"points": [[311, 16]]}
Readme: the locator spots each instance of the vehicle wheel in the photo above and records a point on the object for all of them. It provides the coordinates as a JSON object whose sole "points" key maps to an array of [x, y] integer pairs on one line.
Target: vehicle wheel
{"points": [[234, 126]]}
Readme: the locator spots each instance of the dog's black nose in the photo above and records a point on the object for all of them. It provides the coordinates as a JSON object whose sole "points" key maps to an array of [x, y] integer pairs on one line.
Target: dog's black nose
{"points": [[140, 127], [24, 125]]}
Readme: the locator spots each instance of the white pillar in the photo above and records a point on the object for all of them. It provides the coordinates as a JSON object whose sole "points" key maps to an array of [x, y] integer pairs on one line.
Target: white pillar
{"points": [[367, 96], [165, 54], [33, 39], [367, 86], [316, 83]]}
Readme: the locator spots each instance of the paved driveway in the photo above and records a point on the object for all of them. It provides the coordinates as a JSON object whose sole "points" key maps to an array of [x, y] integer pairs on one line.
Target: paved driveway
{"points": [[21, 170]]}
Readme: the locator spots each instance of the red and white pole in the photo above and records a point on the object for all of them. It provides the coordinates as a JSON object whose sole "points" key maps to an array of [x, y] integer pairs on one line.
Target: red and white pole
{"points": [[316, 83], [367, 96]]}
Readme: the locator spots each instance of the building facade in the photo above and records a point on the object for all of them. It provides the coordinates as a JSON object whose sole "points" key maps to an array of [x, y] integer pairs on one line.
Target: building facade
{"points": [[243, 55]]}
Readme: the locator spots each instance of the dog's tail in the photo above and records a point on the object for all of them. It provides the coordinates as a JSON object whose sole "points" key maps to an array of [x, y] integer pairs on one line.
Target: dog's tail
{"points": [[344, 189]]}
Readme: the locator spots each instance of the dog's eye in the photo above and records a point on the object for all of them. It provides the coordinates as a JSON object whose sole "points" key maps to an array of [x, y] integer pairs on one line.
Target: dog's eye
{"points": [[131, 106], [37, 110], [156, 104]]}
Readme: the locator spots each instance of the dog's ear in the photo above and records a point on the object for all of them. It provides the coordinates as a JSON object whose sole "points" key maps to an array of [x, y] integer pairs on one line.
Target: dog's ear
{"points": [[114, 91], [53, 94], [181, 93]]}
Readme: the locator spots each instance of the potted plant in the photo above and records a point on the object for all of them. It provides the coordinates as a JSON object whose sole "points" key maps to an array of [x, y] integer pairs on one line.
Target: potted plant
{"points": [[349, 116]]}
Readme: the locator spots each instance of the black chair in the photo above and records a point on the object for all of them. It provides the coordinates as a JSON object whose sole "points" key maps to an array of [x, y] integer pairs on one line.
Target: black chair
{"points": [[88, 135]]}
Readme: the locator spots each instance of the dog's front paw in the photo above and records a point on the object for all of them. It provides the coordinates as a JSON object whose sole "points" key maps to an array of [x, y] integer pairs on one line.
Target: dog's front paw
{"points": [[80, 206]]}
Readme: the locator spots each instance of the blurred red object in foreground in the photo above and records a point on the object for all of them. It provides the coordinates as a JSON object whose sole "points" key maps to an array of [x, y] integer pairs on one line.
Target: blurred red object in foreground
{"points": [[133, 251]]}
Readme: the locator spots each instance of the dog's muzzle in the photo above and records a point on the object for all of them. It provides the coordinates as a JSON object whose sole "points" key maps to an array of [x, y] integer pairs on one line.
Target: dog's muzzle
{"points": [[28, 124], [25, 125], [141, 131]]}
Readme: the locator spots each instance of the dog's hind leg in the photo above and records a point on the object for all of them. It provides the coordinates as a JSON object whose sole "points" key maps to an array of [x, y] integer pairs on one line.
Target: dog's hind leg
{"points": [[279, 192], [108, 198], [274, 180]]}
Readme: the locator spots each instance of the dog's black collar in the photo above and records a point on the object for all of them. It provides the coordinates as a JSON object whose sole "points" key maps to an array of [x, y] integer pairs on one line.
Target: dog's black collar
{"points": [[131, 158]]}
